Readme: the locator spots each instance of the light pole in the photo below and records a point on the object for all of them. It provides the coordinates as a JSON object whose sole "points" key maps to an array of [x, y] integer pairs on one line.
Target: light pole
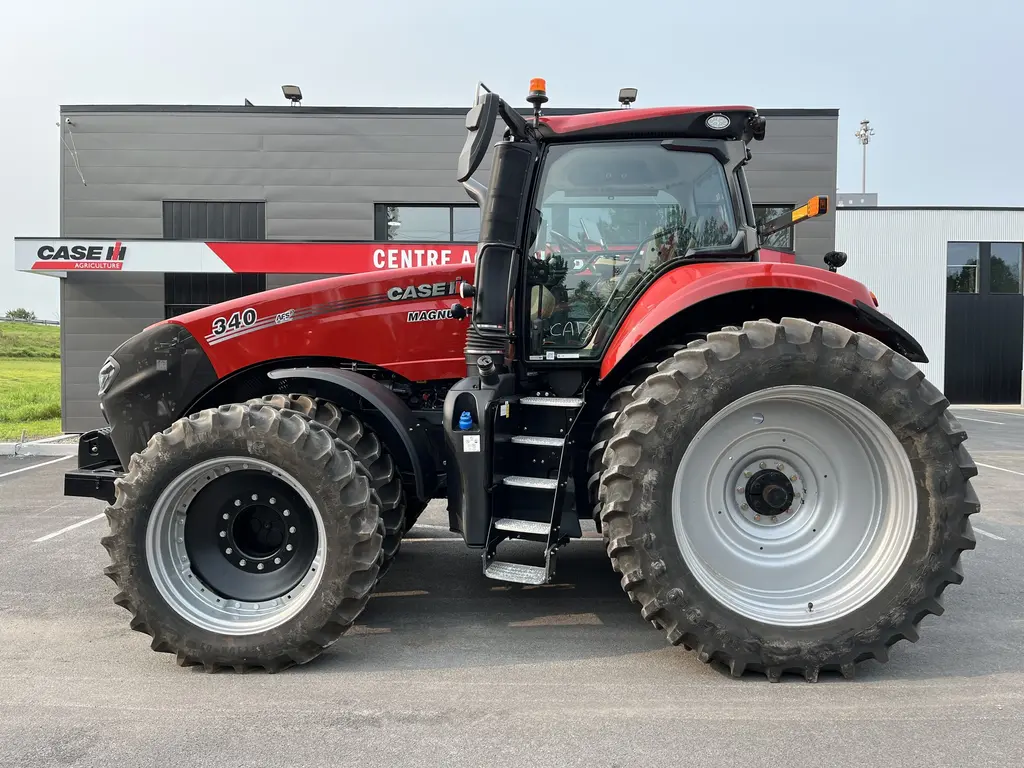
{"points": [[864, 136]]}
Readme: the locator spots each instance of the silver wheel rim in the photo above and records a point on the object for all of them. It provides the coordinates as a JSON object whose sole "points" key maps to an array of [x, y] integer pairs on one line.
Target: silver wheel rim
{"points": [[846, 532], [183, 589]]}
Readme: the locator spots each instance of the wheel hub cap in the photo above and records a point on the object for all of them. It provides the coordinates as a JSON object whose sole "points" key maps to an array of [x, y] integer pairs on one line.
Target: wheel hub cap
{"points": [[769, 492]]}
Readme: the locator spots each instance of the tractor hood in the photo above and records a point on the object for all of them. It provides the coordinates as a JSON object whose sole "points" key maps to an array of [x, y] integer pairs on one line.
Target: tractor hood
{"points": [[397, 319]]}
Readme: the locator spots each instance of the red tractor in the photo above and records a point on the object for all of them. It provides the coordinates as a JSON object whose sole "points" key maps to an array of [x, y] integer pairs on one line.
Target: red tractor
{"points": [[778, 485]]}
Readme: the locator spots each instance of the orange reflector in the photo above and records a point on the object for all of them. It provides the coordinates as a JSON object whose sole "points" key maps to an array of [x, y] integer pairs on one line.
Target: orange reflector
{"points": [[817, 206], [538, 84], [873, 297]]}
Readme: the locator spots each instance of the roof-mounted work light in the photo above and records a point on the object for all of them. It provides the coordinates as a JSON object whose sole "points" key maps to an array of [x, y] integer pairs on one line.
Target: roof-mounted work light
{"points": [[293, 93]]}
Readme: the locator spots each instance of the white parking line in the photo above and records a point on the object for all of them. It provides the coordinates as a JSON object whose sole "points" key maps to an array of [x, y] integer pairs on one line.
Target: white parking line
{"points": [[986, 533], [1001, 413], [408, 539], [35, 466], [71, 527], [983, 421], [1001, 469]]}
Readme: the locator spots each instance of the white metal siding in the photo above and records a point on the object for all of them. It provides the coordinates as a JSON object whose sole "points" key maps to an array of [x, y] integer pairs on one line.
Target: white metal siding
{"points": [[901, 256]]}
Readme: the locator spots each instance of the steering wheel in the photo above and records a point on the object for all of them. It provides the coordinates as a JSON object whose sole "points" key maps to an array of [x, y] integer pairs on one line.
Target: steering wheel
{"points": [[567, 241]]}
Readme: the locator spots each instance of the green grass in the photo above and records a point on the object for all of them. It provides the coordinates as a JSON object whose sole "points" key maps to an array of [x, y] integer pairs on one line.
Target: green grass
{"points": [[26, 340], [29, 381]]}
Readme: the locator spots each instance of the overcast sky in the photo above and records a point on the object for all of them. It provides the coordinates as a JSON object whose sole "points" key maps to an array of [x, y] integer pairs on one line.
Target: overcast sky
{"points": [[940, 80]]}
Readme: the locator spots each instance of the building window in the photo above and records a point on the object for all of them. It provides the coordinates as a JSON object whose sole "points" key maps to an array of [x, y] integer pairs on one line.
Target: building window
{"points": [[962, 267], [427, 223], [211, 220], [1004, 275], [782, 240]]}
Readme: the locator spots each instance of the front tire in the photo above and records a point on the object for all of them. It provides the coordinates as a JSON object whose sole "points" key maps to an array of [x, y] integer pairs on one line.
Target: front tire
{"points": [[787, 497], [244, 536], [368, 451]]}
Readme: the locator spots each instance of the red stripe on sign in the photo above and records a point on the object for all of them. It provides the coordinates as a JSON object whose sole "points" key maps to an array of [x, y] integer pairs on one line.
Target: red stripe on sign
{"points": [[117, 250], [339, 258]]}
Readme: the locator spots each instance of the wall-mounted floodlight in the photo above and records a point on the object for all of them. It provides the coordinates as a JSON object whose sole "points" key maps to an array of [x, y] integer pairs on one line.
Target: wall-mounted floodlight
{"points": [[627, 96], [293, 93]]}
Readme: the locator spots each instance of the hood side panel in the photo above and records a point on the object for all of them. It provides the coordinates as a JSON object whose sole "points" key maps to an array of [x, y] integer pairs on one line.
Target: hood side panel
{"points": [[398, 320]]}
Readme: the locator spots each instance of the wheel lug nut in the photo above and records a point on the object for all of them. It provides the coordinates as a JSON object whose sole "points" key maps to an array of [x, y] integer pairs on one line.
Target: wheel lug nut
{"points": [[273, 500], [259, 566], [763, 465], [739, 489], [254, 497], [744, 507], [226, 515], [288, 547], [277, 561], [241, 562], [238, 503], [223, 534], [780, 466], [773, 519], [757, 517], [286, 513], [793, 478], [292, 529], [746, 474]]}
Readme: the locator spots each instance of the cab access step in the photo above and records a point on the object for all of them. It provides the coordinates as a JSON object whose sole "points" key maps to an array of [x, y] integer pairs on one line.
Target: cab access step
{"points": [[532, 439]]}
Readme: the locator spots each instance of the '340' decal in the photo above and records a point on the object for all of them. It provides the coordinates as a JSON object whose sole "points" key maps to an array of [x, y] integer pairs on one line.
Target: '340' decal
{"points": [[237, 320]]}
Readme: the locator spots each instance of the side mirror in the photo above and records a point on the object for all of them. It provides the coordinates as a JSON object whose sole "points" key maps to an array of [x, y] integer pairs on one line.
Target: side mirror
{"points": [[834, 260], [479, 127]]}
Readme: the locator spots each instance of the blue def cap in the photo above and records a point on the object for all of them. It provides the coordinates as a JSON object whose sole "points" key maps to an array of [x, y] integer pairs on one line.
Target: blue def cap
{"points": [[465, 420]]}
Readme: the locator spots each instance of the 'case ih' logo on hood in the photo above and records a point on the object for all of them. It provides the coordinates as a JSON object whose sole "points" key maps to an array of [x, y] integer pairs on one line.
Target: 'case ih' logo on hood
{"points": [[82, 256], [423, 291]]}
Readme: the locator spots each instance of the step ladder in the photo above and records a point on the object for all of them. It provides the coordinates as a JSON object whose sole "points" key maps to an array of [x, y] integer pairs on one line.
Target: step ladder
{"points": [[549, 491]]}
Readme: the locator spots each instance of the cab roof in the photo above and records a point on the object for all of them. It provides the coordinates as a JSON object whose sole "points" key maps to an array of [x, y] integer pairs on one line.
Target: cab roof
{"points": [[686, 122]]}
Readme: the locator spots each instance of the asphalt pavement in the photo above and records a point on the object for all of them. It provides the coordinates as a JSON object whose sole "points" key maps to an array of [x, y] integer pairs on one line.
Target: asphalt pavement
{"points": [[446, 668]]}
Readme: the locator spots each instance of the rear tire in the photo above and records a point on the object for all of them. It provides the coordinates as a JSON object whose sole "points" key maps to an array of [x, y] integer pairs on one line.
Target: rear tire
{"points": [[245, 537], [748, 618], [368, 451]]}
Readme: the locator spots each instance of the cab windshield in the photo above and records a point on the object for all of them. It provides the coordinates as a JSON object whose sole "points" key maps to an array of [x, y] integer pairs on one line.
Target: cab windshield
{"points": [[612, 214]]}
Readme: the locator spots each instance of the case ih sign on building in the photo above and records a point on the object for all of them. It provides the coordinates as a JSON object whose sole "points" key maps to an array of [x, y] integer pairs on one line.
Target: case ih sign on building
{"points": [[62, 256]]}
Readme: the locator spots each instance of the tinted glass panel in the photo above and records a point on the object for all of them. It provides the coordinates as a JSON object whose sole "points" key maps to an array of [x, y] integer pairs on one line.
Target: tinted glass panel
{"points": [[466, 224], [1004, 274], [409, 223], [962, 267], [783, 239], [613, 213]]}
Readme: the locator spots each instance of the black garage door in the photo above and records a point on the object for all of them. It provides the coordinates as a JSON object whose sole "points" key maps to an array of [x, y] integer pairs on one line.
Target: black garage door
{"points": [[984, 322]]}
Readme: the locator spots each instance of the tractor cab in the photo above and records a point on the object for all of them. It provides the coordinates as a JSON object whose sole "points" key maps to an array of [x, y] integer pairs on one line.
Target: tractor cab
{"points": [[581, 214]]}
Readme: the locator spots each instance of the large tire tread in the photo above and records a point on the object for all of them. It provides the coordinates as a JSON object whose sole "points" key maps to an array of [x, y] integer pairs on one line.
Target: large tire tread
{"points": [[368, 450], [356, 511], [634, 551]]}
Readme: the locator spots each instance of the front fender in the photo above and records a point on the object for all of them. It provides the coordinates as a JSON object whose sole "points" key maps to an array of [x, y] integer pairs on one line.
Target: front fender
{"points": [[385, 413], [686, 287]]}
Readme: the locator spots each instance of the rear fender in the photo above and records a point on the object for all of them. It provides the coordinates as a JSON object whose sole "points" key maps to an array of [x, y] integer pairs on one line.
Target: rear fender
{"points": [[701, 298], [382, 411]]}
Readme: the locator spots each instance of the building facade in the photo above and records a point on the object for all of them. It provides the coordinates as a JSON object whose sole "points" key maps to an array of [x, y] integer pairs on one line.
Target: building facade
{"points": [[304, 174], [953, 278]]}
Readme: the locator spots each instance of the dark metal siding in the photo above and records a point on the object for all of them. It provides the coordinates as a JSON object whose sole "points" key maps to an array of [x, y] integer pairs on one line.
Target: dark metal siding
{"points": [[984, 342]]}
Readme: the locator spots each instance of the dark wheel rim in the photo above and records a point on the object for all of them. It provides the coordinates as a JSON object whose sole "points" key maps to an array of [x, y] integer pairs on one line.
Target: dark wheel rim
{"points": [[236, 545]]}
